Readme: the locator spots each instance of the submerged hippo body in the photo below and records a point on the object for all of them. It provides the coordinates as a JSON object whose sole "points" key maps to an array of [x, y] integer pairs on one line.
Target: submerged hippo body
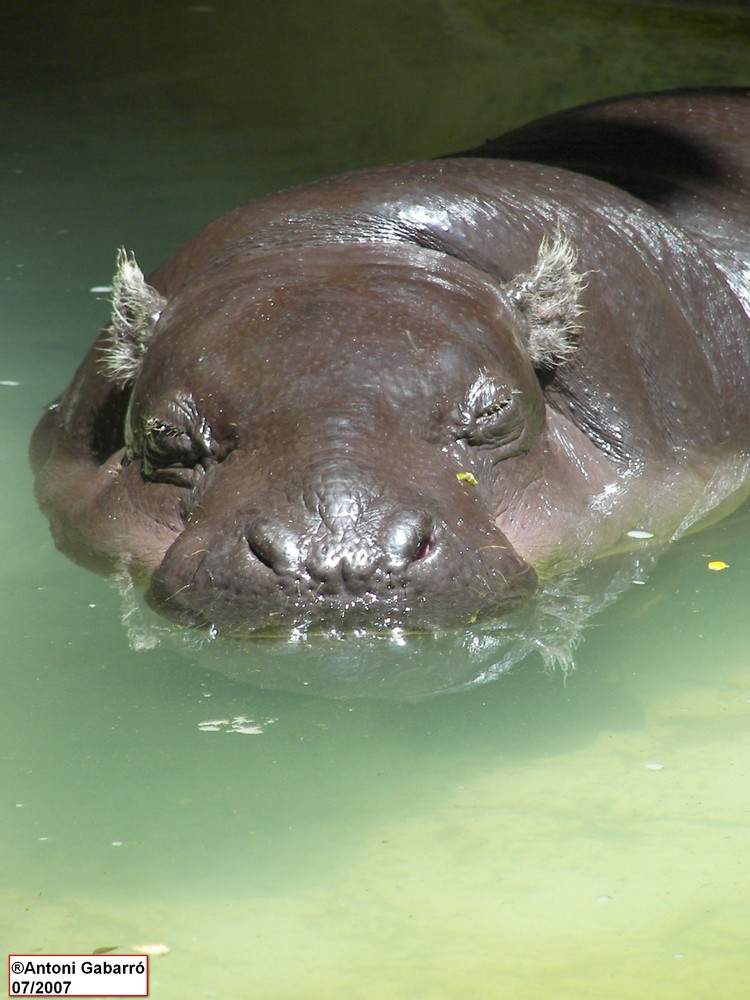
{"points": [[398, 399]]}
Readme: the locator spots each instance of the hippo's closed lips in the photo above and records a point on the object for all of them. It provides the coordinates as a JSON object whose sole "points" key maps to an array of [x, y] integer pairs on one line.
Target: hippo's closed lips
{"points": [[389, 399]]}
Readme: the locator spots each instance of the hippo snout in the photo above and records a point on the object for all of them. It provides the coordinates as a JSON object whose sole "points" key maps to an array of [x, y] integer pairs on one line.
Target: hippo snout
{"points": [[350, 560], [349, 555]]}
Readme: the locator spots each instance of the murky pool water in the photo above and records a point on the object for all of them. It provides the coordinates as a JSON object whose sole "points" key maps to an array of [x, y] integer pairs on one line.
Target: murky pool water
{"points": [[538, 836]]}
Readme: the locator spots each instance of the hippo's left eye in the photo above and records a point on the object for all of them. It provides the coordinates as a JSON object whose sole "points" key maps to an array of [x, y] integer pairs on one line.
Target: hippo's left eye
{"points": [[492, 414]]}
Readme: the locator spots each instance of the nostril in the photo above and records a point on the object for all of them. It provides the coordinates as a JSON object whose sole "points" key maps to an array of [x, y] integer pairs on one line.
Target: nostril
{"points": [[424, 546], [273, 544], [410, 539], [260, 542]]}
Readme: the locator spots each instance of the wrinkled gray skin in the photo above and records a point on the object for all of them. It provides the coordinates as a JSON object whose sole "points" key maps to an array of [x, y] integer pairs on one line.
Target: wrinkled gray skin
{"points": [[396, 399]]}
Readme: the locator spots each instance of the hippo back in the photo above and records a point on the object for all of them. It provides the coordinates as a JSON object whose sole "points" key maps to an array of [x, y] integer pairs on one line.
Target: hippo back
{"points": [[684, 152]]}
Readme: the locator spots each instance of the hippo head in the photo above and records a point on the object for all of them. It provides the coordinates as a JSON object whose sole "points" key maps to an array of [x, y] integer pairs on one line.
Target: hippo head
{"points": [[320, 438]]}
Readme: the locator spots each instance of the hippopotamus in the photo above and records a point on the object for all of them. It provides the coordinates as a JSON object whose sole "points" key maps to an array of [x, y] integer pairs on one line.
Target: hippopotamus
{"points": [[399, 399]]}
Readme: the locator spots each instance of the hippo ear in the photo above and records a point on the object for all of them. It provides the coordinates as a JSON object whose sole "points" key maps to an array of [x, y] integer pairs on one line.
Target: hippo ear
{"points": [[136, 308], [548, 295]]}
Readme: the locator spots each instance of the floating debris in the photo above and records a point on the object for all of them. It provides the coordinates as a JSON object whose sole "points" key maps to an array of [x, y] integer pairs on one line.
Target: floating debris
{"points": [[467, 477], [152, 949], [246, 726], [239, 724], [638, 533], [716, 565], [213, 725], [653, 765], [128, 949]]}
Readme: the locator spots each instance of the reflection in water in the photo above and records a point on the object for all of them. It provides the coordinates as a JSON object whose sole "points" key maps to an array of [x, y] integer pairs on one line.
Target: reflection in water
{"points": [[398, 665]]}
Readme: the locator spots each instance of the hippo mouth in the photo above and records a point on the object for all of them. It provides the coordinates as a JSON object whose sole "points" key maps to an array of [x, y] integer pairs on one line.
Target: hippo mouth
{"points": [[328, 616]]}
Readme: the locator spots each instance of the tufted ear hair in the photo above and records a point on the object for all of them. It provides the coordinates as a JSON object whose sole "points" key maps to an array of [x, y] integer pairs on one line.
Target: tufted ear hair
{"points": [[136, 308], [547, 296]]}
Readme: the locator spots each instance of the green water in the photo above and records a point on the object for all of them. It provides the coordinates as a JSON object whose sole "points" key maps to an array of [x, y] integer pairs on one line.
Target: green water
{"points": [[536, 837]]}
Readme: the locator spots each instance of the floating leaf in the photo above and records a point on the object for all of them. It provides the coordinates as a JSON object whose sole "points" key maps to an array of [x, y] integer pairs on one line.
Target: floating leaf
{"points": [[467, 477], [717, 565], [152, 949], [128, 949]]}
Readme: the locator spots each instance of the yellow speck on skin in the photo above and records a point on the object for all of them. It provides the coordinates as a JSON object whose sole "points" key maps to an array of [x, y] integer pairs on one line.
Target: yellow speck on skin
{"points": [[716, 565], [467, 477]]}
